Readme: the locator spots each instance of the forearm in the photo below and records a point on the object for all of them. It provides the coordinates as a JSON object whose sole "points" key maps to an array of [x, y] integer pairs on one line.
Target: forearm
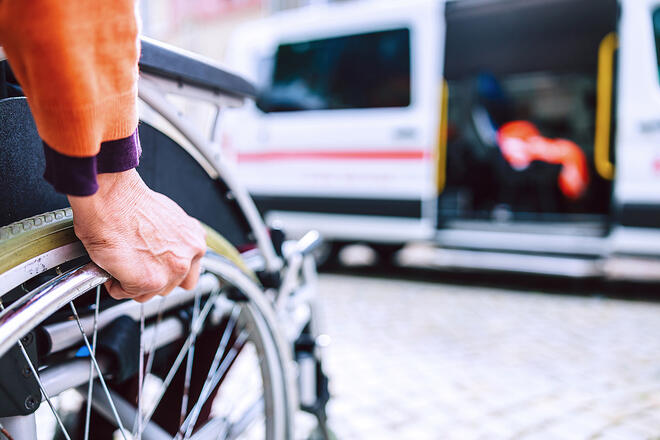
{"points": [[77, 64]]}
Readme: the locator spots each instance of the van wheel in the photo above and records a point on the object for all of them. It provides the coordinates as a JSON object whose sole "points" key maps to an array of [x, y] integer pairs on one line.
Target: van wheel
{"points": [[386, 253], [327, 255]]}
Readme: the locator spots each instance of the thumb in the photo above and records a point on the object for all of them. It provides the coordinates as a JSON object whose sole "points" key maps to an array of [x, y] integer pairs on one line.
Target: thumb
{"points": [[115, 290]]}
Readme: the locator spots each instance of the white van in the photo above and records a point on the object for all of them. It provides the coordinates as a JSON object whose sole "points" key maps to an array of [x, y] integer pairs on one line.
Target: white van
{"points": [[382, 121]]}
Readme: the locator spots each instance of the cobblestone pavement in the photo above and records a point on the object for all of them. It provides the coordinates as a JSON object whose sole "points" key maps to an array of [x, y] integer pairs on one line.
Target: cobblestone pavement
{"points": [[418, 360]]}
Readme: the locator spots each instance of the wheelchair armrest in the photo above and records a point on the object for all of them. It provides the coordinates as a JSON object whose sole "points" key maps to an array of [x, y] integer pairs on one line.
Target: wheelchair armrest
{"points": [[188, 68]]}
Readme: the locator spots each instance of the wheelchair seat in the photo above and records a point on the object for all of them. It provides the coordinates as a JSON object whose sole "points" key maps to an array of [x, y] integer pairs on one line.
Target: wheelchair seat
{"points": [[23, 191], [188, 68]]}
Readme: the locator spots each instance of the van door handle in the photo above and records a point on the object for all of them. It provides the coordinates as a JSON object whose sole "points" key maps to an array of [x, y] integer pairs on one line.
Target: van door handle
{"points": [[604, 82], [405, 133]]}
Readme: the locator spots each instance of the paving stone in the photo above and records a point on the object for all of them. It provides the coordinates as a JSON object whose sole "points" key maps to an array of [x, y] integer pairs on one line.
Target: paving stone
{"points": [[416, 360]]}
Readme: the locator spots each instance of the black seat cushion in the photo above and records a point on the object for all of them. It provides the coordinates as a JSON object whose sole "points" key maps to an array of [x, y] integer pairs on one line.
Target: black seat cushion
{"points": [[23, 190]]}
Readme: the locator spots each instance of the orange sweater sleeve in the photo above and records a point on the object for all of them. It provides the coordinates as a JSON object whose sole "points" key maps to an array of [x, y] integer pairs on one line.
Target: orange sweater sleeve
{"points": [[76, 61]]}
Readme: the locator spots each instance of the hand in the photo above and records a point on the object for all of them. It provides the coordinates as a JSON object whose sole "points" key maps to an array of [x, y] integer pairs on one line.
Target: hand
{"points": [[140, 237]]}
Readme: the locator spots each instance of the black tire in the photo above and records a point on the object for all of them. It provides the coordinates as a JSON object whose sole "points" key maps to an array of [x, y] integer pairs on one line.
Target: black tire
{"points": [[327, 255], [386, 253]]}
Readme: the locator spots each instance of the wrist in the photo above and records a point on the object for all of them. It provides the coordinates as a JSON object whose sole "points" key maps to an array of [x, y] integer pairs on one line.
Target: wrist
{"points": [[123, 186]]}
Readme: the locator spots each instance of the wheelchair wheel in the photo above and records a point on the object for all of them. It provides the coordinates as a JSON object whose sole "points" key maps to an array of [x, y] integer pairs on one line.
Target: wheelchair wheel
{"points": [[206, 363]]}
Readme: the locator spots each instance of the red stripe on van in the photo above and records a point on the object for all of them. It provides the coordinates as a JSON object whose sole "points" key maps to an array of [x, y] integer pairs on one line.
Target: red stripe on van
{"points": [[335, 155]]}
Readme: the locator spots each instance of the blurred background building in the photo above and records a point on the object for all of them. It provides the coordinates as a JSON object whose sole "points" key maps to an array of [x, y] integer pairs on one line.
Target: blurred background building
{"points": [[205, 26]]}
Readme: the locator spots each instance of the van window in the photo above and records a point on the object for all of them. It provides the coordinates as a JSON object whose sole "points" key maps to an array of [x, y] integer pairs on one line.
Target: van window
{"points": [[656, 31], [369, 70]]}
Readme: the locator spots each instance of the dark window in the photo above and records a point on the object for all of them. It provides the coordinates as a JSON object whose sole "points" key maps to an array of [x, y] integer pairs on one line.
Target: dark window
{"points": [[656, 31], [357, 71]]}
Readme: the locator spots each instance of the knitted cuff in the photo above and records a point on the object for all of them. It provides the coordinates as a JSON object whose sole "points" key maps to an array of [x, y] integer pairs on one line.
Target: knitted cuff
{"points": [[76, 176]]}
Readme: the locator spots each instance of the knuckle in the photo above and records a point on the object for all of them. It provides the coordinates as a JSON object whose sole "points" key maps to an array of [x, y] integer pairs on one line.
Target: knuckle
{"points": [[117, 295], [197, 248], [152, 282], [201, 244], [179, 266]]}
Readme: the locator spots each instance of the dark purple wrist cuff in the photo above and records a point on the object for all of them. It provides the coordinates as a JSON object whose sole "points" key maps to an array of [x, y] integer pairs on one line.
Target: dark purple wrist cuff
{"points": [[76, 176]]}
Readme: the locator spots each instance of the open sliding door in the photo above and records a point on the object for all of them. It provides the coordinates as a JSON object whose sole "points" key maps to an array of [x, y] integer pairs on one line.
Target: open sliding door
{"points": [[526, 135]]}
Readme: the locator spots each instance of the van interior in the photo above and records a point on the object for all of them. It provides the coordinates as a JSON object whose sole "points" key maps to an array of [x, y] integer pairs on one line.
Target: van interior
{"points": [[533, 61]]}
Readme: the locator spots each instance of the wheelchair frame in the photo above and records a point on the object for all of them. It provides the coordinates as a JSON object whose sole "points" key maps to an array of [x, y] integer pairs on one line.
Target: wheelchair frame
{"points": [[294, 293]]}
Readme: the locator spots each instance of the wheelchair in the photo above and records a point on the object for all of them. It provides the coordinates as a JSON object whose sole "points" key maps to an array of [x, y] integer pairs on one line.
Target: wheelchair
{"points": [[239, 356]]}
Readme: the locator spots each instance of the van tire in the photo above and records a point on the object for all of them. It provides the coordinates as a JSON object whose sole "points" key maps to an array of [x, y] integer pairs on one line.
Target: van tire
{"points": [[327, 255], [386, 253]]}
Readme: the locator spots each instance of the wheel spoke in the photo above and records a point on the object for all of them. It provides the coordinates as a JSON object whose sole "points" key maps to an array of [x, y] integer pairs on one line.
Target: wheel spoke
{"points": [[4, 432], [138, 429], [159, 318], [195, 329], [138, 422], [210, 385], [126, 411], [216, 428], [189, 365], [222, 348], [43, 391], [99, 372], [241, 425], [90, 385], [217, 358], [35, 374]]}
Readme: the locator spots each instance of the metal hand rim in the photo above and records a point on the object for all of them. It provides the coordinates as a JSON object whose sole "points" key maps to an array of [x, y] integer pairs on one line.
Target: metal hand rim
{"points": [[36, 244]]}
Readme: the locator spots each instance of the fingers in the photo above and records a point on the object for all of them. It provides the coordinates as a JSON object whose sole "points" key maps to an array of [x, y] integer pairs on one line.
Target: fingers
{"points": [[144, 298], [191, 278], [108, 285], [118, 292], [190, 281], [142, 291], [115, 290]]}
